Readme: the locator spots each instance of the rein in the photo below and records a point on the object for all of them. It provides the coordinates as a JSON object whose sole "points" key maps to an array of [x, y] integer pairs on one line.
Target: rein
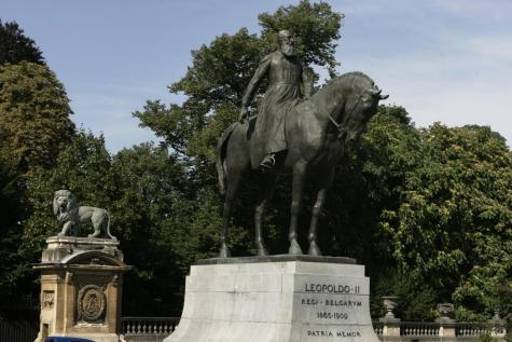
{"points": [[339, 127]]}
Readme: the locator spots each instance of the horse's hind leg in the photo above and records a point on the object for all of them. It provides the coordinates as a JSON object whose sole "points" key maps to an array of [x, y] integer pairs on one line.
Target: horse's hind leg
{"points": [[269, 186], [234, 182], [317, 211]]}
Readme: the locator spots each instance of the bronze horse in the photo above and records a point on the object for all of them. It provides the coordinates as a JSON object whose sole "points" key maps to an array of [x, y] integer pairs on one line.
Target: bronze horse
{"points": [[316, 130]]}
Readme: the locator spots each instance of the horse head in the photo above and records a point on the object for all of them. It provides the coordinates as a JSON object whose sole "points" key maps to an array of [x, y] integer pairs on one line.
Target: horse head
{"points": [[362, 98]]}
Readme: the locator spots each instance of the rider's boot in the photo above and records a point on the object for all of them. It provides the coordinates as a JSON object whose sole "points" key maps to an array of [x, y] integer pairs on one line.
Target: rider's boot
{"points": [[269, 161]]}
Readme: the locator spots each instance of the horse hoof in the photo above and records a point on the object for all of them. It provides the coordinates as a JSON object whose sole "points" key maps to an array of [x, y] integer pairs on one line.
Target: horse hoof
{"points": [[224, 252], [295, 248], [314, 250]]}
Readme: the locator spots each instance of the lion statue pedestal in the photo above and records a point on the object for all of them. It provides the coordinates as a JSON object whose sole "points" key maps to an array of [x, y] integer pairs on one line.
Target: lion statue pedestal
{"points": [[81, 288]]}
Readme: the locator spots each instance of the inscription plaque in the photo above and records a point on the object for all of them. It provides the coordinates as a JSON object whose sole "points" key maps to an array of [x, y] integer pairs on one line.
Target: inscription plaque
{"points": [[332, 309]]}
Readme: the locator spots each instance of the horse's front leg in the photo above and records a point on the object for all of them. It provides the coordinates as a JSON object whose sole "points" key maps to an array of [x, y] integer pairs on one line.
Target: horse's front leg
{"points": [[299, 173], [317, 211]]}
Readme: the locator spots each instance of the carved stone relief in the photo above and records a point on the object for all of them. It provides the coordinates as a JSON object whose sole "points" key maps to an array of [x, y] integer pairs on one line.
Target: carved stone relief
{"points": [[92, 303], [47, 300]]}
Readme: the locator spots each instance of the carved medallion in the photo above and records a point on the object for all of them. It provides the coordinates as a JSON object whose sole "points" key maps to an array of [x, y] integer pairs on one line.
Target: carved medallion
{"points": [[91, 304]]}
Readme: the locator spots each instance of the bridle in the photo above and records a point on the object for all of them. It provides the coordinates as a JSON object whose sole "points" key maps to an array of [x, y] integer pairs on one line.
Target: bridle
{"points": [[342, 132]]}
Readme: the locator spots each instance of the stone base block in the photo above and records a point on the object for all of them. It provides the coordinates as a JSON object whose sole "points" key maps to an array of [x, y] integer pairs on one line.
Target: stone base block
{"points": [[276, 299], [81, 288]]}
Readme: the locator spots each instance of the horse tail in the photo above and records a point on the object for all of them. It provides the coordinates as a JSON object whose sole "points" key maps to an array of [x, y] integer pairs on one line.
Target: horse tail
{"points": [[108, 226], [221, 157]]}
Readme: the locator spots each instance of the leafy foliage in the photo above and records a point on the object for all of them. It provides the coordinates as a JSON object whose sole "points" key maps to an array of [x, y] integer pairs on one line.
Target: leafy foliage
{"points": [[316, 27], [216, 79], [16, 47], [82, 167], [34, 126], [455, 216], [215, 82], [147, 186], [34, 115], [10, 212]]}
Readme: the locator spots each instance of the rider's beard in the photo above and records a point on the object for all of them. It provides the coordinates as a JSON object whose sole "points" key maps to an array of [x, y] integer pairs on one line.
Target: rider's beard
{"points": [[287, 50]]}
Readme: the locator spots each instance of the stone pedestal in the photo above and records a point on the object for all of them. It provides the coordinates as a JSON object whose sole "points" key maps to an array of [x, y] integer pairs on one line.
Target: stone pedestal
{"points": [[276, 299], [447, 329], [81, 288], [390, 329]]}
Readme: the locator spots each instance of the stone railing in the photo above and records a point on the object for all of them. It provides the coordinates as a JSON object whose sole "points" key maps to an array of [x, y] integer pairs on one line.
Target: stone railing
{"points": [[153, 329], [391, 328], [437, 331], [413, 330], [470, 330]]}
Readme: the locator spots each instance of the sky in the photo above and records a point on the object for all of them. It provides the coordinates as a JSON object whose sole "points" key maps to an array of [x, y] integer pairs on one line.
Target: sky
{"points": [[443, 60]]}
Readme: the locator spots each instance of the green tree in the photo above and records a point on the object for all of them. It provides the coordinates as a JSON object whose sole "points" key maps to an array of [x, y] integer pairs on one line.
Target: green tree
{"points": [[316, 27], [148, 186], [34, 126], [453, 227], [215, 82], [82, 167], [34, 115], [15, 46], [10, 212], [369, 182]]}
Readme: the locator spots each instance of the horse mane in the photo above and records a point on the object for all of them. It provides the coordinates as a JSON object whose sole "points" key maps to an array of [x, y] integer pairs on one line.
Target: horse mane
{"points": [[352, 75], [345, 81]]}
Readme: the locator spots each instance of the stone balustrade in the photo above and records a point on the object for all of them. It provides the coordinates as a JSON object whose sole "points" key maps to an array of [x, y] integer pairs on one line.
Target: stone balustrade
{"points": [[157, 328], [391, 328], [469, 330], [438, 331], [148, 328], [419, 329]]}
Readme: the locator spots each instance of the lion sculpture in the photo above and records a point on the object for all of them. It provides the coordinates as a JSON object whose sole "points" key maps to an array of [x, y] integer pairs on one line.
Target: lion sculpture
{"points": [[66, 209]]}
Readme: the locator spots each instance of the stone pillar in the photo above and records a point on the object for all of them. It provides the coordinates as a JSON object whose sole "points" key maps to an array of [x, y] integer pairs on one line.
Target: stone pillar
{"points": [[446, 324], [498, 327], [81, 288], [391, 324]]}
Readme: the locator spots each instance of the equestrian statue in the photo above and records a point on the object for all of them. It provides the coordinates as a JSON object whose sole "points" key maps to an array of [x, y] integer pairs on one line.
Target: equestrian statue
{"points": [[294, 130]]}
